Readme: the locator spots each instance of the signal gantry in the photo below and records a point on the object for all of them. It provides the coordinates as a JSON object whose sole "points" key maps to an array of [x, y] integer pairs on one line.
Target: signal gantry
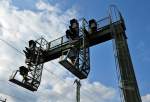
{"points": [[74, 54]]}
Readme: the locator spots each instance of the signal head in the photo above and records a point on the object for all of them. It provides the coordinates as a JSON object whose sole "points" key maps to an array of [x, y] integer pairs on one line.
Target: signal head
{"points": [[23, 71], [32, 43]]}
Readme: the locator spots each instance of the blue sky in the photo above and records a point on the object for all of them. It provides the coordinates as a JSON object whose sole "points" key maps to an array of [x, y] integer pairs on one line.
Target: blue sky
{"points": [[136, 15]]}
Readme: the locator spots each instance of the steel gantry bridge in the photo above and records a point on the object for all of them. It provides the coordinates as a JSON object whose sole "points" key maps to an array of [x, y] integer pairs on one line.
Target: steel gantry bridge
{"points": [[73, 51]]}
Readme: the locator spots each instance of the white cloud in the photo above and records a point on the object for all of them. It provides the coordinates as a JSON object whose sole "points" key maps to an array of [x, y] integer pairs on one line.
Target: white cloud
{"points": [[18, 26], [43, 6], [146, 98]]}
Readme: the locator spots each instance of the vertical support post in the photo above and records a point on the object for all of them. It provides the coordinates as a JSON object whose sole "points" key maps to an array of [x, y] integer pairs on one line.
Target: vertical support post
{"points": [[128, 82], [78, 90]]}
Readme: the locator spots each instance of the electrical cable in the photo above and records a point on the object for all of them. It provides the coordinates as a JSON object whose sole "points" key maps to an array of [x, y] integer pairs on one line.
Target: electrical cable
{"points": [[21, 53], [12, 95], [44, 67]]}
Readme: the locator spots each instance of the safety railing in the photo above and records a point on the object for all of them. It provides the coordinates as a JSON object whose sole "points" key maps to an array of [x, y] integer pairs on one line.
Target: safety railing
{"points": [[57, 42], [103, 22], [63, 40], [13, 74]]}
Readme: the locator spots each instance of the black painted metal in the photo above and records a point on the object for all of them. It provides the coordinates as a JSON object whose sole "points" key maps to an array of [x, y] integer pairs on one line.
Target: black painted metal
{"points": [[128, 83], [31, 75], [79, 65]]}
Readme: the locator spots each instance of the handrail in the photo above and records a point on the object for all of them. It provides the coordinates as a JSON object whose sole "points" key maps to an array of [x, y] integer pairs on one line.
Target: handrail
{"points": [[60, 41]]}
